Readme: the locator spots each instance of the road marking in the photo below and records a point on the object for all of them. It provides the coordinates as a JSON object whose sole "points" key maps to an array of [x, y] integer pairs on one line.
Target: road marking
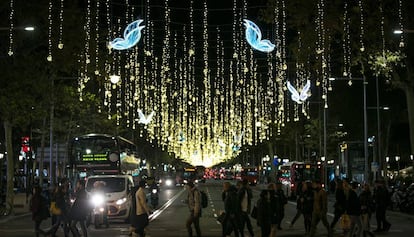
{"points": [[158, 212]]}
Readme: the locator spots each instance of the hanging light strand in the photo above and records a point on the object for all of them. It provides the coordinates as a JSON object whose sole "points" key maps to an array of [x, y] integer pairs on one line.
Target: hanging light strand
{"points": [[50, 18], [401, 24], [11, 28], [60, 40], [362, 27]]}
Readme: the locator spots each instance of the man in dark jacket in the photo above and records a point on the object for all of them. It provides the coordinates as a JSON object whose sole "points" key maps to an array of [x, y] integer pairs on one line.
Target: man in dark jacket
{"points": [[381, 197], [39, 209], [353, 209], [245, 197], [79, 210], [233, 212]]}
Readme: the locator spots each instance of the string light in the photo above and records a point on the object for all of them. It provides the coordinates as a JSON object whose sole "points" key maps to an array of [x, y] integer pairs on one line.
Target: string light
{"points": [[400, 17], [50, 18], [60, 41], [11, 29], [362, 31]]}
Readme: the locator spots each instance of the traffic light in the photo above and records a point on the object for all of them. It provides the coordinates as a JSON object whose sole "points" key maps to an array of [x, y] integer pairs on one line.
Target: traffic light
{"points": [[25, 144]]}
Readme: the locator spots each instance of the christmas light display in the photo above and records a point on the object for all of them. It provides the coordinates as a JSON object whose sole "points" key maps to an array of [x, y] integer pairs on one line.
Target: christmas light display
{"points": [[254, 38], [132, 35], [299, 98]]}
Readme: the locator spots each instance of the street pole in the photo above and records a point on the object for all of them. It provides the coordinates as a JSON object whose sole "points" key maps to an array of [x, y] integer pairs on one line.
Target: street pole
{"points": [[366, 169], [379, 144]]}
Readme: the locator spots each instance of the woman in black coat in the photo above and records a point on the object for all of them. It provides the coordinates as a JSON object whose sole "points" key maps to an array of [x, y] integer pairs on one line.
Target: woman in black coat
{"points": [[340, 200], [39, 209], [265, 212]]}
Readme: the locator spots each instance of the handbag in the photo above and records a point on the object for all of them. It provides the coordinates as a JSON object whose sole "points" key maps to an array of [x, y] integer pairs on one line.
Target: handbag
{"points": [[253, 214], [54, 209], [222, 217], [345, 222]]}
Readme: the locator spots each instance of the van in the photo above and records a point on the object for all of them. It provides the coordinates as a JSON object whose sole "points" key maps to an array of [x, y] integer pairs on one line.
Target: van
{"points": [[117, 193]]}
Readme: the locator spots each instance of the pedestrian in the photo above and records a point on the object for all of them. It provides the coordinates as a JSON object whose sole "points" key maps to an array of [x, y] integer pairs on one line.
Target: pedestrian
{"points": [[225, 228], [39, 209], [142, 211], [80, 210], [245, 197], [264, 213], [194, 205], [233, 212], [299, 202], [367, 207], [61, 212], [339, 206], [320, 208], [275, 206], [282, 201], [353, 209], [307, 209], [132, 212], [382, 199]]}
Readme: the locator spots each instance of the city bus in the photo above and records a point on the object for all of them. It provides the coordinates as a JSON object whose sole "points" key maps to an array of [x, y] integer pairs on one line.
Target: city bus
{"points": [[100, 154], [292, 174], [107, 160]]}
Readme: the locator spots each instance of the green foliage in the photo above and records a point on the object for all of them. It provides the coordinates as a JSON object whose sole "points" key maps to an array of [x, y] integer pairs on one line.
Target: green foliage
{"points": [[383, 63]]}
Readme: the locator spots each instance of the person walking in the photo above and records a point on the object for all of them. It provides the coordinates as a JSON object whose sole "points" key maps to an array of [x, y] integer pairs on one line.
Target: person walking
{"points": [[299, 202], [320, 208], [80, 210], [62, 209], [381, 198], [142, 211], [132, 212], [233, 212], [264, 213], [282, 201], [194, 205], [367, 206], [353, 209], [308, 199], [275, 207], [339, 206], [39, 209], [245, 197]]}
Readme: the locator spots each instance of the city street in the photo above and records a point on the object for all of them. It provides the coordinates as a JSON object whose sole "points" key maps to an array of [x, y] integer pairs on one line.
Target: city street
{"points": [[169, 219]]}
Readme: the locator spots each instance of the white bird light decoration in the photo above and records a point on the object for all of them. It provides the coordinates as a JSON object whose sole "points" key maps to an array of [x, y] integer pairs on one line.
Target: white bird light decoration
{"points": [[132, 35], [299, 98], [145, 119], [254, 38]]}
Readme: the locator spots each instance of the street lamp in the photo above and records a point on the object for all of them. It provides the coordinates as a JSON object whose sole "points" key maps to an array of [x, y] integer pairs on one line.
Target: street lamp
{"points": [[397, 158], [398, 32]]}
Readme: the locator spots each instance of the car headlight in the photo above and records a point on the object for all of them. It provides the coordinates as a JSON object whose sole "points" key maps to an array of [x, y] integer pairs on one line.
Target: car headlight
{"points": [[121, 201], [154, 190], [168, 182], [98, 199]]}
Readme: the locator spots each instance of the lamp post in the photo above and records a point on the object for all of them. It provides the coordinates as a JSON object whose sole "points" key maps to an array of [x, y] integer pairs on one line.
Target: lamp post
{"points": [[364, 84], [397, 158]]}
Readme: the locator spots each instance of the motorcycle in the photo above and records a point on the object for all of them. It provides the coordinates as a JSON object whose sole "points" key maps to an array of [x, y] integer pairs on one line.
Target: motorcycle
{"points": [[99, 215], [154, 196]]}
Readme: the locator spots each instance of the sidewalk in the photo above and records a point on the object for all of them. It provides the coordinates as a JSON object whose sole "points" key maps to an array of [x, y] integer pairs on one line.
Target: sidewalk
{"points": [[21, 208]]}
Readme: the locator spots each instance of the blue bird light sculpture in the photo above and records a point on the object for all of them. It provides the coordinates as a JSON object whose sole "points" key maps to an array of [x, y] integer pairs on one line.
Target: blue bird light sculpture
{"points": [[254, 38], [132, 35]]}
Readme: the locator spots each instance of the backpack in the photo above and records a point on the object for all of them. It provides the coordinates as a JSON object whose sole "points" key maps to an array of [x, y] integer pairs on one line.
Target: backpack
{"points": [[204, 199]]}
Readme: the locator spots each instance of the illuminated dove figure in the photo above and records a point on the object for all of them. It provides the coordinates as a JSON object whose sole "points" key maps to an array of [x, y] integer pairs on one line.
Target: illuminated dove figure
{"points": [[254, 38], [299, 98], [145, 119], [132, 34]]}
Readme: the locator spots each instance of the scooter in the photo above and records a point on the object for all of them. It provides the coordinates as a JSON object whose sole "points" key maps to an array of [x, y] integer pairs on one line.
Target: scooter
{"points": [[99, 215], [154, 196]]}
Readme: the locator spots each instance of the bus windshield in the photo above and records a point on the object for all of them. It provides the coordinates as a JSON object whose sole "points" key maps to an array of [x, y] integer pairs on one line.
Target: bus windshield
{"points": [[93, 148]]}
